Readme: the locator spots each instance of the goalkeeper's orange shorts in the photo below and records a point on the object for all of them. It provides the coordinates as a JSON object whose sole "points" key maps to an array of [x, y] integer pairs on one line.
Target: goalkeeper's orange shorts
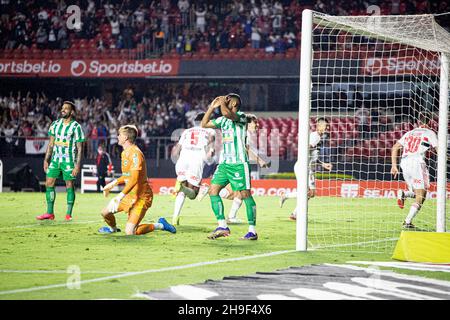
{"points": [[136, 207]]}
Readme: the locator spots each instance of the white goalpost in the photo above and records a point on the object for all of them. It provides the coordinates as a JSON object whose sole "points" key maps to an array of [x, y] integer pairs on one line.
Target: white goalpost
{"points": [[370, 77]]}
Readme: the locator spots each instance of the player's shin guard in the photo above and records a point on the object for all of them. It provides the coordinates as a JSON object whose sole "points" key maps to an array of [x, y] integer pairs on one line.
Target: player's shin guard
{"points": [[70, 200], [217, 207], [413, 210], [50, 196], [190, 193], [250, 205]]}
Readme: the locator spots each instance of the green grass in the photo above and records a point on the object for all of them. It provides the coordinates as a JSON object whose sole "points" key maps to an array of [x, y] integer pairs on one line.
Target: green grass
{"points": [[27, 244]]}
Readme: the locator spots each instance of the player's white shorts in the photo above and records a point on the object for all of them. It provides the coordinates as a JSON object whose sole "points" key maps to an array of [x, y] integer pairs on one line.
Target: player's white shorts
{"points": [[311, 177], [189, 170], [415, 174]]}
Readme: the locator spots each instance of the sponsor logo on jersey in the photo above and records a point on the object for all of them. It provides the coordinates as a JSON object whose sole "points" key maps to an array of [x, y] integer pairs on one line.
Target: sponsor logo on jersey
{"points": [[61, 143]]}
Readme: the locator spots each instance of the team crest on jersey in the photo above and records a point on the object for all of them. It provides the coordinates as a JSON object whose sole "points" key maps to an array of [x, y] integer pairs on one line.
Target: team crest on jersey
{"points": [[236, 174], [125, 163], [67, 167]]}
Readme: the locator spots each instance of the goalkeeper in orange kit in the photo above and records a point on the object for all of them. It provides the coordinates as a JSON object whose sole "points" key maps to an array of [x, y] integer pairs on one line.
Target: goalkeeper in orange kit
{"points": [[137, 196]]}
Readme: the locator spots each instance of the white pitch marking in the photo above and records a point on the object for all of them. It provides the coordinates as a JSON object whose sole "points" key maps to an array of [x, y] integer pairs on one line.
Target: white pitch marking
{"points": [[130, 274], [354, 290], [394, 288], [316, 294], [393, 274], [407, 265], [193, 293], [275, 297]]}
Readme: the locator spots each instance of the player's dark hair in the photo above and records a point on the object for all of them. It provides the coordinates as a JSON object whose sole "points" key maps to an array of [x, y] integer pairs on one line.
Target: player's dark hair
{"points": [[199, 116], [235, 96], [322, 119], [251, 117]]}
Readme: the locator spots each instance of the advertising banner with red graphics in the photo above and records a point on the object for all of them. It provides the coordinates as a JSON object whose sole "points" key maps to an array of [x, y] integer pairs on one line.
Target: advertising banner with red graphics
{"points": [[426, 65], [328, 188], [36, 145], [85, 68]]}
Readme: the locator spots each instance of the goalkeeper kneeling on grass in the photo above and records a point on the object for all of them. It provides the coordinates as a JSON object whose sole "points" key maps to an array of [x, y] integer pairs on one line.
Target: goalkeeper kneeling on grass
{"points": [[137, 196]]}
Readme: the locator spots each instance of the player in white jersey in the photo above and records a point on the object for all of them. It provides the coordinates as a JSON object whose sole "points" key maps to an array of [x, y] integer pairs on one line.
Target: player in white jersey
{"points": [[194, 148], [315, 142], [414, 145]]}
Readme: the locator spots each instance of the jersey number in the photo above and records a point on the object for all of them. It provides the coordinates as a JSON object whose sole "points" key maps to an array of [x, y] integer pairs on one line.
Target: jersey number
{"points": [[194, 138], [412, 144]]}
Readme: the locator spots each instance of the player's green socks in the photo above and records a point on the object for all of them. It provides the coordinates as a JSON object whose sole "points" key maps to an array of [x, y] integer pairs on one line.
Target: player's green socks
{"points": [[70, 200], [250, 205], [50, 196], [217, 207]]}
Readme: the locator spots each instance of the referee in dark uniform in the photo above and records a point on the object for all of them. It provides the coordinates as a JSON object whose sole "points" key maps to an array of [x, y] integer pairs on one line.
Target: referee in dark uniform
{"points": [[103, 161]]}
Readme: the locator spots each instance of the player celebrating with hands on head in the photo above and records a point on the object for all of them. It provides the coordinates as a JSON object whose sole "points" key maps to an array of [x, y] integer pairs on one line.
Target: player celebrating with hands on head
{"points": [[233, 165], [137, 196], [227, 192], [315, 142], [415, 144], [66, 136]]}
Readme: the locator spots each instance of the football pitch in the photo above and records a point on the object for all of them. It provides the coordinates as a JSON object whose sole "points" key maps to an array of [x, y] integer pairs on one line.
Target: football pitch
{"points": [[70, 260]]}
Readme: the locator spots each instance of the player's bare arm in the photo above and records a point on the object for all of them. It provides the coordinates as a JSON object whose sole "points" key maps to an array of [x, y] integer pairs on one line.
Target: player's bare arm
{"points": [[206, 122], [176, 151], [260, 161], [327, 166], [76, 170], [49, 152], [210, 146], [227, 109], [394, 155]]}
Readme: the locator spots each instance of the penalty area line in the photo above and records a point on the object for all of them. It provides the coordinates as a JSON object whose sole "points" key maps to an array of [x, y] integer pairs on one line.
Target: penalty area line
{"points": [[130, 274]]}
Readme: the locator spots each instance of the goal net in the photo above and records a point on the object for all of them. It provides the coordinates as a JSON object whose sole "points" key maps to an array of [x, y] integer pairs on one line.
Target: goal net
{"points": [[370, 77]]}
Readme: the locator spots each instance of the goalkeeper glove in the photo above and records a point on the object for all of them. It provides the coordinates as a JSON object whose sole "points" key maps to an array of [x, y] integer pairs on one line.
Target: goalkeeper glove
{"points": [[113, 205]]}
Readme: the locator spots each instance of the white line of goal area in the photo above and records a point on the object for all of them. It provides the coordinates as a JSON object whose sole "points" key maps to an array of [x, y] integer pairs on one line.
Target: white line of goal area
{"points": [[130, 274]]}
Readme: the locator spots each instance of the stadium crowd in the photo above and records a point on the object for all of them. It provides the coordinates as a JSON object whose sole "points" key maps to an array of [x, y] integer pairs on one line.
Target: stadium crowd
{"points": [[179, 25], [159, 111]]}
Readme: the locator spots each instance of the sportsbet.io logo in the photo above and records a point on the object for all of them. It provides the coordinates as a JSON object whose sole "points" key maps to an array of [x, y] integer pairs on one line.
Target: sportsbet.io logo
{"points": [[374, 66], [78, 68]]}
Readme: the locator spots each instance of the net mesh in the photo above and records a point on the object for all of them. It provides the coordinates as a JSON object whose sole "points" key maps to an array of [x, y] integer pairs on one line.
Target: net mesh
{"points": [[371, 77]]}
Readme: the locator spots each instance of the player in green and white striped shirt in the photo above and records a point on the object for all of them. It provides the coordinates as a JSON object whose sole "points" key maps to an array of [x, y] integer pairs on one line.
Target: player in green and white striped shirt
{"points": [[233, 165], [63, 156]]}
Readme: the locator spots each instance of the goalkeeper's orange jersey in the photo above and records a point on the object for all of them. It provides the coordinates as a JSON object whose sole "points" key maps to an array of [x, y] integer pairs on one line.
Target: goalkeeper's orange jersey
{"points": [[134, 167]]}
